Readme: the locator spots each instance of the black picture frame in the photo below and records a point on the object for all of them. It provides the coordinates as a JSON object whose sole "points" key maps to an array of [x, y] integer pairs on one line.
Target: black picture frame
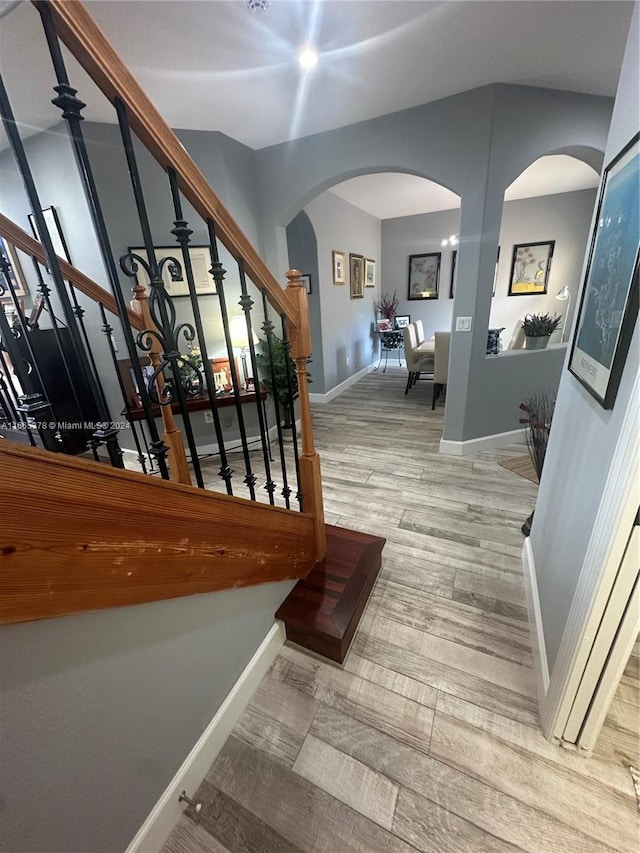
{"points": [[530, 268], [424, 275], [306, 281], [401, 321], [610, 298], [54, 227], [454, 264]]}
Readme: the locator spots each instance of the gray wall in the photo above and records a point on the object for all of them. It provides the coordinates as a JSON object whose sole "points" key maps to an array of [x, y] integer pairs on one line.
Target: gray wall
{"points": [[347, 342], [100, 710], [584, 436], [512, 127]]}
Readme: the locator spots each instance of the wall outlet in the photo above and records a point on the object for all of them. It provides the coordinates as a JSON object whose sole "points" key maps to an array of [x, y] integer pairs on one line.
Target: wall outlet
{"points": [[463, 324], [208, 417]]}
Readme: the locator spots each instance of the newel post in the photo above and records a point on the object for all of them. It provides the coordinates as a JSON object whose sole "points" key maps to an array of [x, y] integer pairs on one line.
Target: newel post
{"points": [[310, 475], [178, 466]]}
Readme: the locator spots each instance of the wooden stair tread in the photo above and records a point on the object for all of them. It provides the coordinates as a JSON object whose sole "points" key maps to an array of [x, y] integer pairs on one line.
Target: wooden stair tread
{"points": [[322, 611]]}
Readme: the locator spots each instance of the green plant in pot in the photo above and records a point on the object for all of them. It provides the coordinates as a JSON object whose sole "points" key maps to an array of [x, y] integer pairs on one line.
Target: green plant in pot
{"points": [[538, 328], [282, 385]]}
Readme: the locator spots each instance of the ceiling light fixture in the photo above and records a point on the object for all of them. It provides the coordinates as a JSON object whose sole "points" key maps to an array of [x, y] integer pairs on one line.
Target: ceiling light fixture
{"points": [[257, 5], [308, 57], [451, 241]]}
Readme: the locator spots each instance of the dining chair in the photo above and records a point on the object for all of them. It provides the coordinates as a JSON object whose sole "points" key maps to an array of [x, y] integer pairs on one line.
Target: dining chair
{"points": [[441, 364], [417, 363]]}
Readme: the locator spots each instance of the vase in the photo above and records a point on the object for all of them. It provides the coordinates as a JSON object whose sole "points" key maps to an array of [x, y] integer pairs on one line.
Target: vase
{"points": [[538, 342]]}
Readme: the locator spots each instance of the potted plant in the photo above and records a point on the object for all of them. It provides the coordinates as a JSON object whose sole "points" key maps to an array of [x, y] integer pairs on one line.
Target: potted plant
{"points": [[282, 385], [538, 328]]}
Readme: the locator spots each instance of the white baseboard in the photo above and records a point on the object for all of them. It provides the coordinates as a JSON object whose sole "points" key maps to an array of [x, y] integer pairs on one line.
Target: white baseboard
{"points": [[486, 442], [536, 630], [338, 389], [167, 811]]}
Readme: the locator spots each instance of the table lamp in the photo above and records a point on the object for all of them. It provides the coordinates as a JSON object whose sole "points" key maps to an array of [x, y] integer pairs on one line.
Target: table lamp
{"points": [[239, 340], [564, 296]]}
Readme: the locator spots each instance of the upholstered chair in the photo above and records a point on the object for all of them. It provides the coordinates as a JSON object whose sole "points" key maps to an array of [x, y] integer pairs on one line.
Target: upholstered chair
{"points": [[419, 331], [417, 363], [441, 364]]}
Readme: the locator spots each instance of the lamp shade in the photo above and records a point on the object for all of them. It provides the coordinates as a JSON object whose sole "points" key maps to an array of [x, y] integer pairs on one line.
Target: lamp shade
{"points": [[563, 294], [238, 331]]}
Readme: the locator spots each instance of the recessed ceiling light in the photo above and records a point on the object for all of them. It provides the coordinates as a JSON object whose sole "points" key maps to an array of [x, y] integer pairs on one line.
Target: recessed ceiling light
{"points": [[308, 57]]}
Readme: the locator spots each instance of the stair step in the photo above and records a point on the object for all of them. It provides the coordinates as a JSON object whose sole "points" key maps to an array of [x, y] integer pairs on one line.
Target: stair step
{"points": [[322, 611]]}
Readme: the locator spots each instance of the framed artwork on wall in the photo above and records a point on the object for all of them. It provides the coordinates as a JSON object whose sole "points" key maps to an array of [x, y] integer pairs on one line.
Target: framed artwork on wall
{"points": [[454, 264], [369, 273], [495, 275], [610, 298], [424, 275], [356, 280], [306, 281], [17, 281], [173, 274], [530, 266], [52, 221], [339, 260]]}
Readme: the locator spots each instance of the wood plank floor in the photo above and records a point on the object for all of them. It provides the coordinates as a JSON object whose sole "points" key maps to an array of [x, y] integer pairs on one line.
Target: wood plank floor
{"points": [[426, 739]]}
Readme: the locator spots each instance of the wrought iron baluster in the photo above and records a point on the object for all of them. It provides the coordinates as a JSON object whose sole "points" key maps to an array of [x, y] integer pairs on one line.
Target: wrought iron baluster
{"points": [[246, 303], [183, 233], [294, 431], [72, 107], [218, 272], [268, 328]]}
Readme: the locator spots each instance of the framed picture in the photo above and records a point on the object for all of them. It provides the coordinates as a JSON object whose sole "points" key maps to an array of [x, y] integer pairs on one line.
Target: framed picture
{"points": [[402, 321], [52, 221], [306, 281], [173, 275], [424, 275], [369, 273], [17, 281], [339, 267], [530, 265], [609, 303], [356, 280], [222, 376], [384, 325], [128, 376], [495, 274], [454, 264]]}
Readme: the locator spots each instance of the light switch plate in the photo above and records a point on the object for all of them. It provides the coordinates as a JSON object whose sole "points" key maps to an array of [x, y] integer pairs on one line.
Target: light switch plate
{"points": [[463, 324]]}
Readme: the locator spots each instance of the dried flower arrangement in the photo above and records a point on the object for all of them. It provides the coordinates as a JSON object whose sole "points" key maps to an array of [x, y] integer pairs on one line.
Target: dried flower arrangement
{"points": [[387, 306]]}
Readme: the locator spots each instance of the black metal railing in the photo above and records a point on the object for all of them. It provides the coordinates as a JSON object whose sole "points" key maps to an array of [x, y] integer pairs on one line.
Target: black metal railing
{"points": [[63, 384]]}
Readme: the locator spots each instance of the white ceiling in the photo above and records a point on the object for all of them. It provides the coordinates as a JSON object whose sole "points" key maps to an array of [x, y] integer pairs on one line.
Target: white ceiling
{"points": [[213, 65], [388, 195]]}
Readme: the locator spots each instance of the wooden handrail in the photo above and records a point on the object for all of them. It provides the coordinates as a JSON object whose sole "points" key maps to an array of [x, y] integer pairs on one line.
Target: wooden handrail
{"points": [[15, 235], [99, 537], [77, 29]]}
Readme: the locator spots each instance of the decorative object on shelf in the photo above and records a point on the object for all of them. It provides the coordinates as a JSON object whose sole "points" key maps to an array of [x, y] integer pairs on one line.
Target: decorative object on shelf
{"points": [[538, 328], [493, 341], [538, 409], [564, 296], [402, 321], [222, 375], [173, 275], [530, 266], [610, 297], [369, 273], [356, 279], [190, 369], [424, 275], [240, 340], [283, 384], [387, 306], [306, 281], [14, 273], [385, 325], [339, 260], [52, 221], [454, 264]]}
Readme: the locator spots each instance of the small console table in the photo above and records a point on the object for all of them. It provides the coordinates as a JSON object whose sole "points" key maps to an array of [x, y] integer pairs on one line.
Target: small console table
{"points": [[389, 342]]}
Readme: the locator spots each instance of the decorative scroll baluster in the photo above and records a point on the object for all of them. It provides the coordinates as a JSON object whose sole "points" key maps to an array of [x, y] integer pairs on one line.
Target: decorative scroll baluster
{"points": [[292, 410], [310, 476], [268, 328]]}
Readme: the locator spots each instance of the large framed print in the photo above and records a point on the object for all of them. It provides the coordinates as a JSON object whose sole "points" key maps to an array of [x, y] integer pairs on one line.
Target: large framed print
{"points": [[530, 266], [356, 280], [424, 275], [609, 303], [52, 221], [174, 275]]}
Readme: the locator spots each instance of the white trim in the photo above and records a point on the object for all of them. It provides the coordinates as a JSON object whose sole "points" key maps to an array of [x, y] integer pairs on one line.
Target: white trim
{"points": [[338, 389], [609, 537], [167, 811], [485, 442], [536, 628]]}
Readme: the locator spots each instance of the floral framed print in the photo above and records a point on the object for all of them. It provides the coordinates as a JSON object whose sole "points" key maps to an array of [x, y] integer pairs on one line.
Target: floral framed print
{"points": [[609, 303], [530, 266], [369, 273], [356, 280], [424, 275], [339, 260]]}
